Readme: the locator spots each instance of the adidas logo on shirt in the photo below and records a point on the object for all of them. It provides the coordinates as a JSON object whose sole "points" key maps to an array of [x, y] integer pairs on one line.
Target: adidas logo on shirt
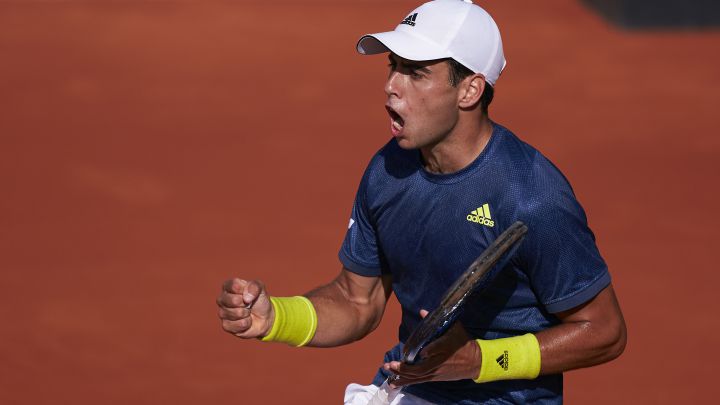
{"points": [[410, 20], [481, 215]]}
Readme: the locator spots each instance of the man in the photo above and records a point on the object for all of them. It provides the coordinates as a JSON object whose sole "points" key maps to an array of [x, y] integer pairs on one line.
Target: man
{"points": [[447, 184]]}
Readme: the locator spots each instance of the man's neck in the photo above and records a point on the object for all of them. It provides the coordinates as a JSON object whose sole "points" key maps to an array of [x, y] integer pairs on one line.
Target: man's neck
{"points": [[460, 148]]}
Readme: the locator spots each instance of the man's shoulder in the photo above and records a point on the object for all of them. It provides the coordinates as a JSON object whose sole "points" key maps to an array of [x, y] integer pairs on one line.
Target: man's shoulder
{"points": [[512, 150], [531, 182], [516, 154]]}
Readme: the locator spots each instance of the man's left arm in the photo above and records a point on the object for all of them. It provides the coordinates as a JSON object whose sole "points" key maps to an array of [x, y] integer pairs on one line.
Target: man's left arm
{"points": [[590, 334]]}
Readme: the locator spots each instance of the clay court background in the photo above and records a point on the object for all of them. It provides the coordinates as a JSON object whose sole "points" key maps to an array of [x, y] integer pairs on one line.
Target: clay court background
{"points": [[150, 150]]}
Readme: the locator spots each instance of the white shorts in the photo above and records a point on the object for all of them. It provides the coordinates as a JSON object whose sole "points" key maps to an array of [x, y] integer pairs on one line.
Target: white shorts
{"points": [[356, 394]]}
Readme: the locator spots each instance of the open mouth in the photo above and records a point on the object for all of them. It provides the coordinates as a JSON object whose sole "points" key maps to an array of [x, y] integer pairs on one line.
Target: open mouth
{"points": [[396, 121]]}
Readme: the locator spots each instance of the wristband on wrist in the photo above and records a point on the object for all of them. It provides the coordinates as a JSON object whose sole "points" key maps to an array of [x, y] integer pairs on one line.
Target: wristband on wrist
{"points": [[295, 321], [512, 358]]}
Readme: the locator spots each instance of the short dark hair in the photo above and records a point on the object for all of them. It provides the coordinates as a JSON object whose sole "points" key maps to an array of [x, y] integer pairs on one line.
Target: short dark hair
{"points": [[458, 72]]}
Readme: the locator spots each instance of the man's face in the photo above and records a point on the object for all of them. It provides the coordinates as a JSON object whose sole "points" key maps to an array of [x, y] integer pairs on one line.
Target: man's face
{"points": [[422, 104]]}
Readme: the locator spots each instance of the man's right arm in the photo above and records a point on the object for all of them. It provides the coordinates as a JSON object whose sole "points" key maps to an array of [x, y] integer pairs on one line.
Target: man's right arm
{"points": [[348, 308]]}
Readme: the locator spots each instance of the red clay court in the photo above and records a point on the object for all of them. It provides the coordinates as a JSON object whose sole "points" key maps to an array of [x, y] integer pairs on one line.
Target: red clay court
{"points": [[150, 150]]}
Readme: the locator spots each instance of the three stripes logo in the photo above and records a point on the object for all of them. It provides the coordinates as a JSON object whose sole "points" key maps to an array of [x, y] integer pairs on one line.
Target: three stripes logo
{"points": [[481, 215], [410, 20], [503, 360]]}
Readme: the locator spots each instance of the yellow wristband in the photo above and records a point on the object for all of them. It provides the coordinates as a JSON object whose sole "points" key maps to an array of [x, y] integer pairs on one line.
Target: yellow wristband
{"points": [[513, 358], [295, 321]]}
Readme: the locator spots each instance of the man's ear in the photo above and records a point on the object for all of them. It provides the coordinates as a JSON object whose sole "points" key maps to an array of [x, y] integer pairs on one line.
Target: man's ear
{"points": [[471, 90]]}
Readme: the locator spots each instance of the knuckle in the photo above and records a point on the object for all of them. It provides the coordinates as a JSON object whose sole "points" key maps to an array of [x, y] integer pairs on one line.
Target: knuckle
{"points": [[233, 285], [237, 285], [244, 323], [236, 326], [223, 295], [233, 326], [226, 300], [257, 286], [227, 326], [235, 314]]}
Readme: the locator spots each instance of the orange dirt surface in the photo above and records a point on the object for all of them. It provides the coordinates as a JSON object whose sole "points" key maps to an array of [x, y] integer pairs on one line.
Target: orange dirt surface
{"points": [[149, 150]]}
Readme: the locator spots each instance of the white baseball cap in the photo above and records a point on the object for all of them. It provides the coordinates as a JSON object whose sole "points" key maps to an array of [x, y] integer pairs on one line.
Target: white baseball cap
{"points": [[440, 29]]}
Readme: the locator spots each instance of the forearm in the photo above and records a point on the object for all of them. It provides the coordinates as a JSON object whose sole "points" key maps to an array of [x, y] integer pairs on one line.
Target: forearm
{"points": [[584, 339], [571, 346], [588, 335], [348, 308]]}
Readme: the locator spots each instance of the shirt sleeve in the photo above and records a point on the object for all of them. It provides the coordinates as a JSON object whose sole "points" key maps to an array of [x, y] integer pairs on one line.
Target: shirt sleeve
{"points": [[561, 258], [359, 252]]}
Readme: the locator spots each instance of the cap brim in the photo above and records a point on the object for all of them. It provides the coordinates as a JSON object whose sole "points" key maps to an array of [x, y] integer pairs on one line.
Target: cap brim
{"points": [[402, 44]]}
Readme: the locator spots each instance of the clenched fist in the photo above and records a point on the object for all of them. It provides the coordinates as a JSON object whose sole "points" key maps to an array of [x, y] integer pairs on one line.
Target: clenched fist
{"points": [[245, 309]]}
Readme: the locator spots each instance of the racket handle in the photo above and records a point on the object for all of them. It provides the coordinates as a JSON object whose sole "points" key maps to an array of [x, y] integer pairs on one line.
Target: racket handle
{"points": [[385, 394]]}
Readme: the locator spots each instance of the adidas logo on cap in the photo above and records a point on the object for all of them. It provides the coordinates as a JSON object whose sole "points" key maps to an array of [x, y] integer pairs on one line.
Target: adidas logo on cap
{"points": [[410, 20]]}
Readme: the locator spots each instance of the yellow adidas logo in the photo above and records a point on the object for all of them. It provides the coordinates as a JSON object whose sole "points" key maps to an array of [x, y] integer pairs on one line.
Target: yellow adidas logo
{"points": [[481, 215]]}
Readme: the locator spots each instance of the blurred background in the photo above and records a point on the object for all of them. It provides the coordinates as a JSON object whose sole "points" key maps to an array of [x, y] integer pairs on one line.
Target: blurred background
{"points": [[150, 150]]}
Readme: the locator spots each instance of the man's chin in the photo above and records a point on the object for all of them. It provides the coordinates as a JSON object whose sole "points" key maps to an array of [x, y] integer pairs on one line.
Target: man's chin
{"points": [[405, 143]]}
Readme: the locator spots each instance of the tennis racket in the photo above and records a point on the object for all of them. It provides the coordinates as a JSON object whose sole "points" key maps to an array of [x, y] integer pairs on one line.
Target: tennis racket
{"points": [[475, 279]]}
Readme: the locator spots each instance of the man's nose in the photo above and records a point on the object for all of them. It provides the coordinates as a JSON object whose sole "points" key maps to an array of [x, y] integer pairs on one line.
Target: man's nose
{"points": [[392, 84]]}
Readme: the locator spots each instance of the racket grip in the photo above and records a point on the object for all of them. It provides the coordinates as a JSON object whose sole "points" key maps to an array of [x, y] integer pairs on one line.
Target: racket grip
{"points": [[385, 394]]}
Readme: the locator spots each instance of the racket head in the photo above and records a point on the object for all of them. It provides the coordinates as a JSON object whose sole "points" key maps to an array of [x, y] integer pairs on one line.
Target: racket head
{"points": [[474, 279]]}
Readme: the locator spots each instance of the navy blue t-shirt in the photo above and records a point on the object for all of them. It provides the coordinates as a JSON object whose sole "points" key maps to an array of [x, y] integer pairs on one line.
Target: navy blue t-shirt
{"points": [[425, 229]]}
